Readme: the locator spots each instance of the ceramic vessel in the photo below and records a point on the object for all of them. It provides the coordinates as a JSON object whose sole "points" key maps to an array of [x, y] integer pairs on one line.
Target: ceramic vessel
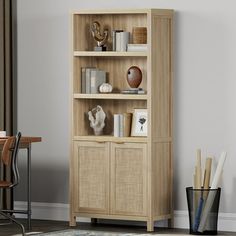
{"points": [[105, 88], [134, 76]]}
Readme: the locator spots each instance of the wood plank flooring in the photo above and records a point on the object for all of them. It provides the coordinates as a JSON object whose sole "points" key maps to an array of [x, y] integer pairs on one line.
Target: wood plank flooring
{"points": [[49, 226]]}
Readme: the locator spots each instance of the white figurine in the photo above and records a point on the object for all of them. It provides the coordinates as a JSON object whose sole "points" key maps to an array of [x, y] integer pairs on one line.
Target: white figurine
{"points": [[97, 122]]}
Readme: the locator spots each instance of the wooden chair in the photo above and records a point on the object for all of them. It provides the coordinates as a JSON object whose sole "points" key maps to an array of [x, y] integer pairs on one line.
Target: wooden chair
{"points": [[9, 159]]}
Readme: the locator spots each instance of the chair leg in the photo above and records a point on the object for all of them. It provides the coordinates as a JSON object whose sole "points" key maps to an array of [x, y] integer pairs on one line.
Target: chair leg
{"points": [[12, 219]]}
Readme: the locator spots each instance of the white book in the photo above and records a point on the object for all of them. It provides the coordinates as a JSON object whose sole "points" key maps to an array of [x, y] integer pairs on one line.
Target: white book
{"points": [[97, 78], [114, 38], [118, 39], [124, 40], [137, 47], [116, 125]]}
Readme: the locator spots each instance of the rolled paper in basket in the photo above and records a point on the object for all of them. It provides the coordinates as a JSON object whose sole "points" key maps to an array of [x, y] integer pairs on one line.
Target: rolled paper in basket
{"points": [[211, 195], [198, 214]]}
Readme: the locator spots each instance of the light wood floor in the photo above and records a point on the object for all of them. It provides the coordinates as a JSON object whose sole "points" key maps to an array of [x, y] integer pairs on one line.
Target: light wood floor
{"points": [[49, 226]]}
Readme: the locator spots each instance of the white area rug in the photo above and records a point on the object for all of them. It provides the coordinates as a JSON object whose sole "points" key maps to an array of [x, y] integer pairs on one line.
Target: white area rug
{"points": [[100, 233]]}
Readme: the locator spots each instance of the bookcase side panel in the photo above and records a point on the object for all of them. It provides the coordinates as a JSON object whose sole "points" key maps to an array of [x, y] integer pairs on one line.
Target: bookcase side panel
{"points": [[161, 94], [162, 174]]}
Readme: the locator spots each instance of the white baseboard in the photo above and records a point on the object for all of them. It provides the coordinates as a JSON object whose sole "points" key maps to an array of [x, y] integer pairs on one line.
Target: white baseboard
{"points": [[226, 221], [60, 212]]}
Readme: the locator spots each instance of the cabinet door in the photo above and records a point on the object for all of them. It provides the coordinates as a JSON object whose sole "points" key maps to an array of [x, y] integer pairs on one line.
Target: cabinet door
{"points": [[91, 177], [128, 179]]}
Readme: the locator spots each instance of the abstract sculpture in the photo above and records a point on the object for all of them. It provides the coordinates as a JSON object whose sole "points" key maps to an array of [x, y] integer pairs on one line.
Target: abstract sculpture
{"points": [[101, 39], [97, 117]]}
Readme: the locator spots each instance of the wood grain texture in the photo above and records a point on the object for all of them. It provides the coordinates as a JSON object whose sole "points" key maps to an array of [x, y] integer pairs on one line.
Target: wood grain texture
{"points": [[91, 173], [161, 179], [128, 179]]}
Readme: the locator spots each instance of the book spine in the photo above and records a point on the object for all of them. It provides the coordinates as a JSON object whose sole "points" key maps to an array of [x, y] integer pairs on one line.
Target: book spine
{"points": [[121, 125], [124, 40], [93, 78], [116, 125], [83, 80], [98, 77], [113, 40], [127, 124], [118, 39], [88, 79]]}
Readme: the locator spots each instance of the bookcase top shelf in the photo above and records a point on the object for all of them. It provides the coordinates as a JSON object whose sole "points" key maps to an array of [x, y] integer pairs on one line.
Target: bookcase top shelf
{"points": [[111, 96], [109, 54], [124, 11]]}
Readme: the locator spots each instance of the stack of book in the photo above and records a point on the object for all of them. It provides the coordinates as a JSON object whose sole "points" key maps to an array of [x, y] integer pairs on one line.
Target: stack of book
{"points": [[122, 124], [91, 79], [133, 91], [120, 40], [137, 47]]}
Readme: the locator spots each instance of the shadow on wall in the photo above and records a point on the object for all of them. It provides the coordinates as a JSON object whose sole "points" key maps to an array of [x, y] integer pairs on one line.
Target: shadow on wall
{"points": [[48, 184]]}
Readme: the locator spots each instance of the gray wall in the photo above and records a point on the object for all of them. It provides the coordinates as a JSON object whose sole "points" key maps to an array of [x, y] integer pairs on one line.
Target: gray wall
{"points": [[204, 90]]}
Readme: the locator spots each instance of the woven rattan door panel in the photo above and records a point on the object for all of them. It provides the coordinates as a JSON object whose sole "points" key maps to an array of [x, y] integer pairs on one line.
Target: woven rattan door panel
{"points": [[128, 179], [91, 176]]}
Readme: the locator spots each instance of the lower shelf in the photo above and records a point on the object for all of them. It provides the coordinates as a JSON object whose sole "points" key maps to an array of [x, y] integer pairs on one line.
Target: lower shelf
{"points": [[109, 138]]}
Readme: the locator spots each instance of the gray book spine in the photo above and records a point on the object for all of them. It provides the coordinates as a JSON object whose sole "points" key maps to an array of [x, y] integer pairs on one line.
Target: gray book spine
{"points": [[116, 125], [113, 40], [88, 79], [83, 80], [98, 77]]}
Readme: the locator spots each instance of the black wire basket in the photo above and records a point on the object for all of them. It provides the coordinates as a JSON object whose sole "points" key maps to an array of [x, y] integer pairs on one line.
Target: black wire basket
{"points": [[203, 207]]}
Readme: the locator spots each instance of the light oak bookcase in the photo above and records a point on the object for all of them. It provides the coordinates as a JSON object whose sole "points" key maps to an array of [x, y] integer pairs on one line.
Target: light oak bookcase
{"points": [[127, 178]]}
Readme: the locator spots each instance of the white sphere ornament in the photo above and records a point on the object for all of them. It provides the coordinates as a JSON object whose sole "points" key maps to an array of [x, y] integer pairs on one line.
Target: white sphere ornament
{"points": [[105, 88]]}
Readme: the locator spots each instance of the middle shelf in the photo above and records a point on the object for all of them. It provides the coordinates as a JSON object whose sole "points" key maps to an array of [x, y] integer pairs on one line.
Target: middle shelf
{"points": [[110, 54]]}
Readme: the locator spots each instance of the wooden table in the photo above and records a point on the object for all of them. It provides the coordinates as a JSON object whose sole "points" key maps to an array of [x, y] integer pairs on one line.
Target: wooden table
{"points": [[25, 143]]}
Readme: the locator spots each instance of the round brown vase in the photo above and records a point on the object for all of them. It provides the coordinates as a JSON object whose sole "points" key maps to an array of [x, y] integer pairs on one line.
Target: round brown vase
{"points": [[134, 76]]}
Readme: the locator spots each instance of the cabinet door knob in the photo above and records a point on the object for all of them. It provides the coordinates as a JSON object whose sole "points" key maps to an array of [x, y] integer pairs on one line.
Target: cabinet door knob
{"points": [[119, 142], [100, 141]]}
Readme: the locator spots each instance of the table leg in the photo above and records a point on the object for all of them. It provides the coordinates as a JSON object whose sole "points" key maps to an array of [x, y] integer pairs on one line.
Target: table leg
{"points": [[29, 186]]}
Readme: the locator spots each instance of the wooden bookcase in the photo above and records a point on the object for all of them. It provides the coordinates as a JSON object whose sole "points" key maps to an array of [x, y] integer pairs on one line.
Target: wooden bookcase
{"points": [[128, 178]]}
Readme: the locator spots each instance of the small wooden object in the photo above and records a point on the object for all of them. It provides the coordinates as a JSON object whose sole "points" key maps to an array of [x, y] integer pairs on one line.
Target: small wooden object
{"points": [[127, 124], [207, 173], [139, 35]]}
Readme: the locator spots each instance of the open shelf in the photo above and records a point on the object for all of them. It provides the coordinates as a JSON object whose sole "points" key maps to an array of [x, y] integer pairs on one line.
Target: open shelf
{"points": [[109, 54], [111, 96]]}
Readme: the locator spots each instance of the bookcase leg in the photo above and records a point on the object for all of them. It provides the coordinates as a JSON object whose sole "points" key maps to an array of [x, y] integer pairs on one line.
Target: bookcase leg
{"points": [[171, 222], [72, 220], [150, 225], [94, 220]]}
